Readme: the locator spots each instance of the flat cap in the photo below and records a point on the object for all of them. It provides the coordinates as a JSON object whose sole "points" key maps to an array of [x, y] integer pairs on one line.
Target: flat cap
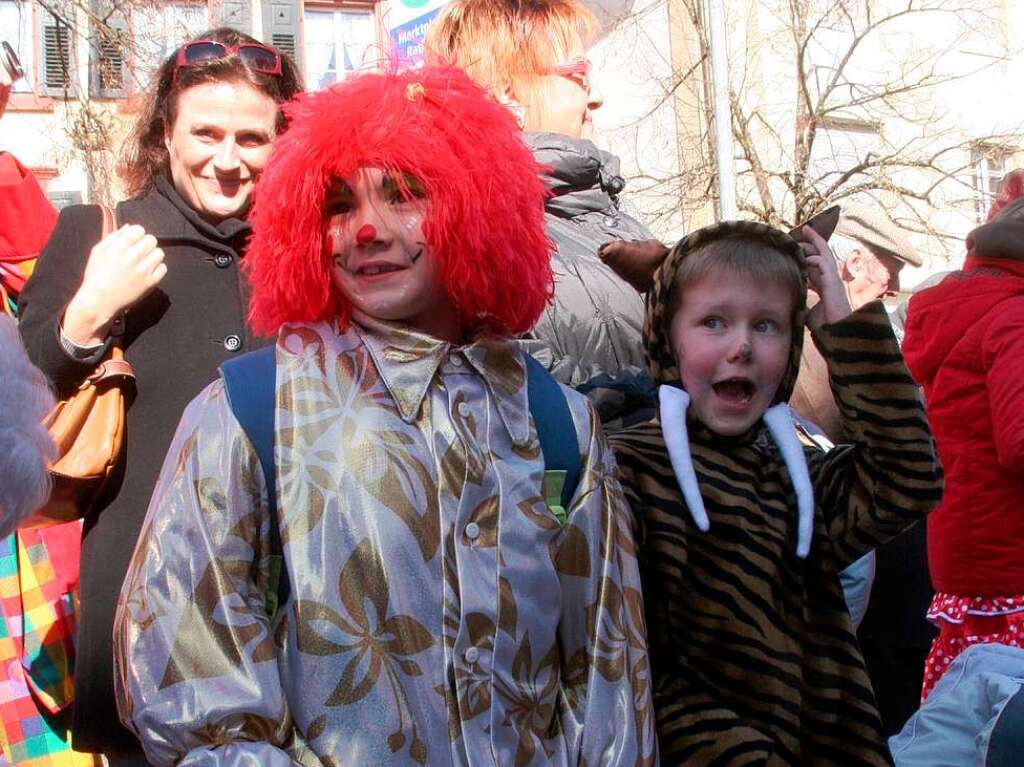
{"points": [[876, 230]]}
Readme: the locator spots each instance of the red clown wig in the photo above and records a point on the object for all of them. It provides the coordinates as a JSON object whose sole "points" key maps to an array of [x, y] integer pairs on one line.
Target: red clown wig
{"points": [[485, 201]]}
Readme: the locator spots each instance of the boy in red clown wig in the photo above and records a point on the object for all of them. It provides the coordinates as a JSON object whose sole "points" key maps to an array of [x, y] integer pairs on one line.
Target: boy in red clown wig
{"points": [[440, 611]]}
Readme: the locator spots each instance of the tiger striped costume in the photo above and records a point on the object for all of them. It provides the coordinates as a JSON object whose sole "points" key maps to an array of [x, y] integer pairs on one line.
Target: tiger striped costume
{"points": [[753, 657]]}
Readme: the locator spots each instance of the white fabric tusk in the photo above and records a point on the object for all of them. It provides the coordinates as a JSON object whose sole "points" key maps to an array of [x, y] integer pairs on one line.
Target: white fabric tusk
{"points": [[673, 404], [779, 420]]}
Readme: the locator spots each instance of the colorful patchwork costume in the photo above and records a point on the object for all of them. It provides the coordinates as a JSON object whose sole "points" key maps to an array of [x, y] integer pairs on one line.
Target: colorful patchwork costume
{"points": [[38, 566], [752, 653], [38, 581]]}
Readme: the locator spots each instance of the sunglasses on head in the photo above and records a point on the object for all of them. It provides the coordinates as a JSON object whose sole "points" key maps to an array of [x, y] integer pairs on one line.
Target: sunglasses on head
{"points": [[259, 58]]}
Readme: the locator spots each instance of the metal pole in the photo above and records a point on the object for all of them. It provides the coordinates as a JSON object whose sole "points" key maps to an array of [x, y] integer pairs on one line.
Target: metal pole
{"points": [[723, 112]]}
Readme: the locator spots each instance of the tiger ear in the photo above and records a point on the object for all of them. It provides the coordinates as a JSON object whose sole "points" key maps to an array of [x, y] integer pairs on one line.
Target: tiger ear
{"points": [[823, 223]]}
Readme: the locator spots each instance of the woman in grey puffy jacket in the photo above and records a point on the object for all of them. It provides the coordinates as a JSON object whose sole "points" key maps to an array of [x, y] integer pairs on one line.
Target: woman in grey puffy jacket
{"points": [[532, 57]]}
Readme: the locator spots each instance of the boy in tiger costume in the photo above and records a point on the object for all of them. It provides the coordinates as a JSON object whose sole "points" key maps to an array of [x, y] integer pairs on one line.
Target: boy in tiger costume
{"points": [[743, 532]]}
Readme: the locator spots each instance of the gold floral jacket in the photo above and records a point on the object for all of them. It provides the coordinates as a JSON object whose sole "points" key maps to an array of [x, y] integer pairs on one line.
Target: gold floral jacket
{"points": [[440, 613]]}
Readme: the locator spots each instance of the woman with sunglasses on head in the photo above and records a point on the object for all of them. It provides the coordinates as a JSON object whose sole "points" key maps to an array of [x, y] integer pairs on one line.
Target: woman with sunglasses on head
{"points": [[169, 276], [532, 57]]}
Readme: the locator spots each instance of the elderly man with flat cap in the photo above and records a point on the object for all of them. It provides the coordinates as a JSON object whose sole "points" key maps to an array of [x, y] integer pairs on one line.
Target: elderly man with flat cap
{"points": [[871, 251]]}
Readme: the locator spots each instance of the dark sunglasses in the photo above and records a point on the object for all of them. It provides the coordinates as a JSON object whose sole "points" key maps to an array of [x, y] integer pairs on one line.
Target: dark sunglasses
{"points": [[259, 58]]}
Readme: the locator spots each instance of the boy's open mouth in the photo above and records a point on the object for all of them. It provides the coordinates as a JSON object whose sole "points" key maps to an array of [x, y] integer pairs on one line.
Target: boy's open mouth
{"points": [[738, 391]]}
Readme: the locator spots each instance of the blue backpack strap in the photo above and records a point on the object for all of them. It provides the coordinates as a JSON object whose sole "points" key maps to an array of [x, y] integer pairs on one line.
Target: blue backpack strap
{"points": [[555, 427], [250, 380]]}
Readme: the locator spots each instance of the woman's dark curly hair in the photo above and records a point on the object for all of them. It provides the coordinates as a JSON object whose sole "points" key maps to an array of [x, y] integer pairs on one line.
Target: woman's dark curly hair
{"points": [[145, 155]]}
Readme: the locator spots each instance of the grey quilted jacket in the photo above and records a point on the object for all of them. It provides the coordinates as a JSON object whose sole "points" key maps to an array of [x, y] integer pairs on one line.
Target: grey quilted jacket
{"points": [[595, 322]]}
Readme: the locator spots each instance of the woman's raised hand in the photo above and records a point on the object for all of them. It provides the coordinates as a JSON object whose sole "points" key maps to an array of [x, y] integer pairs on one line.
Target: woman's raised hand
{"points": [[122, 268]]}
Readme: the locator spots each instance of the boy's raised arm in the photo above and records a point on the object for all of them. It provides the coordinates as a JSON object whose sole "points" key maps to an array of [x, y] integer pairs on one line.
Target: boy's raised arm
{"points": [[889, 475], [197, 675]]}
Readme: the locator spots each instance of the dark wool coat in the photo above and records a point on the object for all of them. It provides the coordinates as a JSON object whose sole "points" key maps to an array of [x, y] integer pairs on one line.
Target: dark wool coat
{"points": [[753, 657], [176, 336]]}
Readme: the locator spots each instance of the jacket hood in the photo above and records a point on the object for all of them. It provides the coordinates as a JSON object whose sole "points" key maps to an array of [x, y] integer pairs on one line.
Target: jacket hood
{"points": [[581, 177], [674, 401], [1001, 238], [26, 216], [661, 360], [938, 318]]}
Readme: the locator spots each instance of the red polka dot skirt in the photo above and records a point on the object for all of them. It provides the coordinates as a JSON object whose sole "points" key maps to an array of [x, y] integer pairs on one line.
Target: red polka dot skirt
{"points": [[966, 621]]}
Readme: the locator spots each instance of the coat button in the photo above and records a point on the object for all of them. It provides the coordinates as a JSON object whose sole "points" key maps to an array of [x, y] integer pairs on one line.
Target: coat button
{"points": [[610, 221], [232, 342], [472, 655], [472, 531], [222, 260]]}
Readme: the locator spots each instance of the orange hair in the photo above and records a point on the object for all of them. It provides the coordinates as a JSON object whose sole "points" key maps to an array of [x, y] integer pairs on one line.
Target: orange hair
{"points": [[505, 45]]}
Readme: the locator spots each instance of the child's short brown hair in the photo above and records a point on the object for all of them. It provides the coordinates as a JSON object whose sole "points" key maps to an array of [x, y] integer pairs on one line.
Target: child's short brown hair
{"points": [[740, 255]]}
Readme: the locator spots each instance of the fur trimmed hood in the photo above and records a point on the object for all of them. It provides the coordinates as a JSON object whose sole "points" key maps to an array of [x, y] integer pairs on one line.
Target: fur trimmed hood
{"points": [[674, 401], [661, 361]]}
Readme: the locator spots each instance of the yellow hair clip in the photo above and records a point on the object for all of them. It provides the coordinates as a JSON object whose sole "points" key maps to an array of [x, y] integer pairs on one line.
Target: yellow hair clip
{"points": [[415, 91]]}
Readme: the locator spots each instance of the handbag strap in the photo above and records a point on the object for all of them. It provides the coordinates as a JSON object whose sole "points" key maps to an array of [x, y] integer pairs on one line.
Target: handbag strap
{"points": [[116, 365], [109, 221]]}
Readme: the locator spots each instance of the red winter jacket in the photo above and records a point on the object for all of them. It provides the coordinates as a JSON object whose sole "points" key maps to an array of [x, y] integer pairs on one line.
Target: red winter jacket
{"points": [[26, 220], [965, 344]]}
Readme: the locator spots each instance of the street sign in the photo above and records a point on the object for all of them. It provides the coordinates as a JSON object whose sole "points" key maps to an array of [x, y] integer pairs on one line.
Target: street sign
{"points": [[407, 22]]}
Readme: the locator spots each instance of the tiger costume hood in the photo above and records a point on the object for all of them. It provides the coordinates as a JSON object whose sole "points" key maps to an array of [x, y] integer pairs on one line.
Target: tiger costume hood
{"points": [[673, 398]]}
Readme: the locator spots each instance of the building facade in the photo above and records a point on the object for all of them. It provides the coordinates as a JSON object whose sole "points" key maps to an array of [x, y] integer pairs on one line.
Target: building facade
{"points": [[87, 62]]}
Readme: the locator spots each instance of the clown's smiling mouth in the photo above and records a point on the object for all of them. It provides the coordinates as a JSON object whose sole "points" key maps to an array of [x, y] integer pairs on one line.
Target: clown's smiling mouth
{"points": [[379, 268]]}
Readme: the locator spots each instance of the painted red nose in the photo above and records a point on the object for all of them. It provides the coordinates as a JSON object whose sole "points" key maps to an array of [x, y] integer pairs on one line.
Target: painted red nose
{"points": [[366, 234]]}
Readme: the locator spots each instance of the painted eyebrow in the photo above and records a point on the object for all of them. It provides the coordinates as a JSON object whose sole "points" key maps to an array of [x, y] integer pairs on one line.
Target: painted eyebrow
{"points": [[339, 191], [409, 183]]}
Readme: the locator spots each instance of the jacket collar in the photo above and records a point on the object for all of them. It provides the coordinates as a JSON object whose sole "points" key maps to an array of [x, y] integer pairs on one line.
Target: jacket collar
{"points": [[166, 215], [581, 177], [407, 362]]}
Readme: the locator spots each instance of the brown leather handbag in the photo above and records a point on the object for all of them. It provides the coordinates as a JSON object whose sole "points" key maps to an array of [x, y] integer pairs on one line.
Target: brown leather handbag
{"points": [[88, 427]]}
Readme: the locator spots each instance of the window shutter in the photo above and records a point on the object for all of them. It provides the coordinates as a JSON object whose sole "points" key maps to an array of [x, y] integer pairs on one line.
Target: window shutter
{"points": [[108, 50], [56, 46], [281, 27], [236, 14]]}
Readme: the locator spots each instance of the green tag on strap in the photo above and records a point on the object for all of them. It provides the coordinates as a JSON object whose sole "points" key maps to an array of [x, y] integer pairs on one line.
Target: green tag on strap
{"points": [[274, 581], [554, 482]]}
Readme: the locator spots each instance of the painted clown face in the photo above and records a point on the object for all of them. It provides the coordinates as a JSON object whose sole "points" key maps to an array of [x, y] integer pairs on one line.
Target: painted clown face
{"points": [[380, 259]]}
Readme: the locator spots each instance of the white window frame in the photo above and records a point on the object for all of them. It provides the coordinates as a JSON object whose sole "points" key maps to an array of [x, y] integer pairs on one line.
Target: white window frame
{"points": [[368, 9], [986, 180]]}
